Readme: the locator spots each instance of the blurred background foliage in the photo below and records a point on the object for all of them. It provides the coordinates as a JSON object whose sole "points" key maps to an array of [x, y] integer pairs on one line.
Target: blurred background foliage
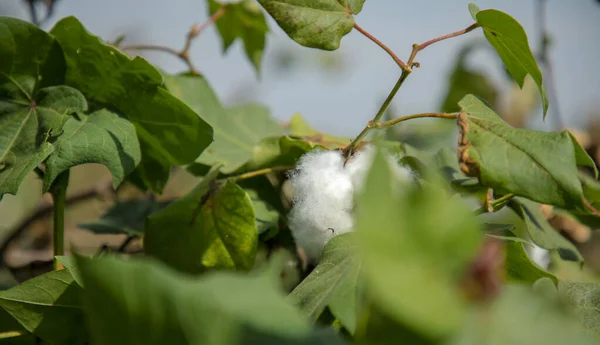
{"points": [[318, 84]]}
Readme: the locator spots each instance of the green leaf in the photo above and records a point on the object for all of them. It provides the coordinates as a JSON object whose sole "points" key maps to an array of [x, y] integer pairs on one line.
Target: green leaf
{"points": [[165, 126], [314, 23], [464, 81], [277, 151], [585, 297], [142, 302], [522, 316], [267, 218], [541, 232], [125, 217], [540, 166], [299, 128], [243, 20], [473, 9], [413, 262], [212, 226], [101, 137], [29, 55], [333, 283], [519, 267], [510, 41], [236, 130], [582, 158], [30, 120], [69, 264], [48, 306]]}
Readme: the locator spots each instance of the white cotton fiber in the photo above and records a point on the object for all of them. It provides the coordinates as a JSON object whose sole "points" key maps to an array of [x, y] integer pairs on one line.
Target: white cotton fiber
{"points": [[323, 195]]}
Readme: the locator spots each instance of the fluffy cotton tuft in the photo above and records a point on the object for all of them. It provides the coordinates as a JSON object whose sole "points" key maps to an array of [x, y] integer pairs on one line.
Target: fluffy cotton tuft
{"points": [[323, 195]]}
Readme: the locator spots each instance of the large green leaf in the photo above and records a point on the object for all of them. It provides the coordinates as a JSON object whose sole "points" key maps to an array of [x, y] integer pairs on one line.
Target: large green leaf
{"points": [[142, 302], [101, 137], [31, 113], [164, 125], [522, 316], [413, 261], [314, 23], [540, 166], [212, 226], [125, 217], [541, 232], [29, 54], [236, 130], [510, 41], [333, 283], [585, 297], [48, 306], [30, 120], [244, 20]]}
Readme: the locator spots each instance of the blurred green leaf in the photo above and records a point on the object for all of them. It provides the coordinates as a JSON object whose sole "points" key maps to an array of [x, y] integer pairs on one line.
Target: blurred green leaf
{"points": [[142, 302], [212, 226], [236, 130], [541, 232], [165, 126], [267, 218], [510, 41], [125, 217], [413, 261], [585, 297], [278, 151], [243, 20], [540, 166], [521, 316], [314, 23], [101, 137], [519, 267], [48, 306], [464, 81], [300, 129], [333, 283]]}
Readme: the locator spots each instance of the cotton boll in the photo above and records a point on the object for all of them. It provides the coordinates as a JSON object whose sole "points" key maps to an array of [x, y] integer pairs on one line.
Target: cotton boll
{"points": [[323, 195], [322, 201]]}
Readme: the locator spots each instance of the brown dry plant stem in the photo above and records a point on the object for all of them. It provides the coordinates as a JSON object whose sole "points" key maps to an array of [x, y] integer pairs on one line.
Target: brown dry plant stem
{"points": [[184, 53], [406, 71]]}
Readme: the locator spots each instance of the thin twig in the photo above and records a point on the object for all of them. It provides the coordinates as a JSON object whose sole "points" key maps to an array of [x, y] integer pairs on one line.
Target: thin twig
{"points": [[406, 70], [184, 53], [487, 206], [45, 209], [418, 47], [390, 123], [348, 150], [256, 173], [384, 47]]}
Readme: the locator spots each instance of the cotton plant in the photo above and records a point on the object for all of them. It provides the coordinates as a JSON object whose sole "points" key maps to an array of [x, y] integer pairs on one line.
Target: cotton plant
{"points": [[324, 186]]}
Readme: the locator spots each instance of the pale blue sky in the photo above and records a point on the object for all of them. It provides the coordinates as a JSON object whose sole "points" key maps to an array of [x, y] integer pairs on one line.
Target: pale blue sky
{"points": [[341, 103]]}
